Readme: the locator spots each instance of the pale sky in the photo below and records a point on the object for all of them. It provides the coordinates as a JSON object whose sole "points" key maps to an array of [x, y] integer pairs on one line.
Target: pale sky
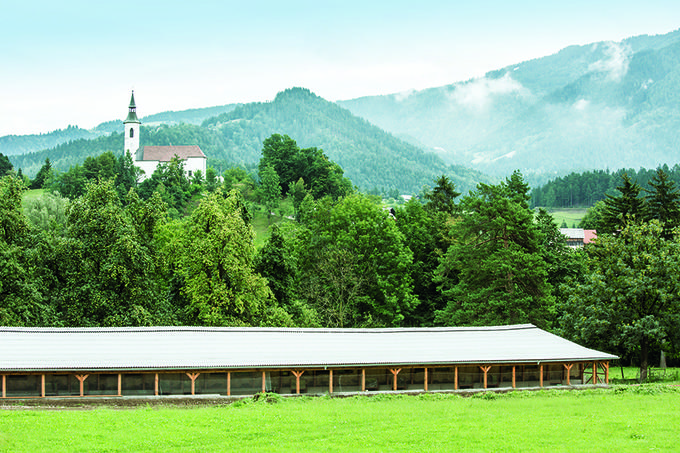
{"points": [[75, 62]]}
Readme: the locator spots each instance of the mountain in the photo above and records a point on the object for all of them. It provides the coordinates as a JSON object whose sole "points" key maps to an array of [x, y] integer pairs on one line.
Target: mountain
{"points": [[21, 144], [598, 106], [371, 157]]}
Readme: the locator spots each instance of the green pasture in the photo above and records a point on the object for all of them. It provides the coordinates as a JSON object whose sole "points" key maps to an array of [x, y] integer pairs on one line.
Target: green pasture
{"points": [[572, 216], [31, 194], [621, 419]]}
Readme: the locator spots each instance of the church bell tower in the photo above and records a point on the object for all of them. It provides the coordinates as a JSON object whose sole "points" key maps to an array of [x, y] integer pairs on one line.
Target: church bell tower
{"points": [[132, 125]]}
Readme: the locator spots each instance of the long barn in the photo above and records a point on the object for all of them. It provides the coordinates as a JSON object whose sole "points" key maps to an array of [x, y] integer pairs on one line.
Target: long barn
{"points": [[46, 362]]}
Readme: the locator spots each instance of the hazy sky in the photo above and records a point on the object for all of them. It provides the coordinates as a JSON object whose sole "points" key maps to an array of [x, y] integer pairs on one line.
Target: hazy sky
{"points": [[75, 62]]}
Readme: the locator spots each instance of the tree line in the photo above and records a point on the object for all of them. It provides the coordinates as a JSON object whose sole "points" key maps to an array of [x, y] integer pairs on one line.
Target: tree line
{"points": [[583, 190], [173, 251]]}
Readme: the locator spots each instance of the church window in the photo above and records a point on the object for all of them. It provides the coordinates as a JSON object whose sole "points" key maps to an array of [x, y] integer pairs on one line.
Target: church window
{"points": [[132, 133]]}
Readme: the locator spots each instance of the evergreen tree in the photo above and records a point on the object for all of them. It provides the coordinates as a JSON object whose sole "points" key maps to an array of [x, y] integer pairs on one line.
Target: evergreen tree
{"points": [[42, 175], [494, 273], [663, 202], [624, 209]]}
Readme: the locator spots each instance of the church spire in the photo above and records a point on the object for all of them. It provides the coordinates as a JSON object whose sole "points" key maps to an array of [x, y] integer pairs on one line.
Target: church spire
{"points": [[131, 128], [132, 111]]}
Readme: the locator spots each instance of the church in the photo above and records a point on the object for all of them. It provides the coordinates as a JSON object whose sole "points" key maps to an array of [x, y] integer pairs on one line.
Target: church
{"points": [[148, 158]]}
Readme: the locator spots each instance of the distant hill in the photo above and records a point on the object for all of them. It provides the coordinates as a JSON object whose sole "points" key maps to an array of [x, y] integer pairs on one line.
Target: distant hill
{"points": [[371, 157], [11, 145], [603, 105]]}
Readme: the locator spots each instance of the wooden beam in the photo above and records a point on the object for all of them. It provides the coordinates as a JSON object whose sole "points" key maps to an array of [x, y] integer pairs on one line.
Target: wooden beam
{"points": [[42, 385], [606, 372], [568, 367], [395, 372], [155, 385], [81, 378], [426, 379], [228, 383], [594, 373], [455, 378], [264, 382], [540, 379], [193, 377], [4, 386], [514, 378], [363, 379], [120, 384], [297, 380], [485, 369], [330, 381]]}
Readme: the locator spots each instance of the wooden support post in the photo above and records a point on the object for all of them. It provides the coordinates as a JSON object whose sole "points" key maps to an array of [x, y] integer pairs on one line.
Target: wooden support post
{"points": [[297, 380], [485, 369], [363, 379], [540, 379], [426, 379], [606, 372], [193, 377], [264, 385], [594, 373], [4, 386], [228, 383], [568, 367], [330, 381], [455, 378], [81, 378], [394, 372], [120, 384], [155, 385], [514, 377], [42, 386]]}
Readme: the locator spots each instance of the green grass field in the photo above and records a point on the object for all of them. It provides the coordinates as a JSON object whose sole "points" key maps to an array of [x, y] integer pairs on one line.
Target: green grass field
{"points": [[572, 217], [621, 419]]}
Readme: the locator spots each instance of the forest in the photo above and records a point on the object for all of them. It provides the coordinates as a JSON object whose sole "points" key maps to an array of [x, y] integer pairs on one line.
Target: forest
{"points": [[100, 249]]}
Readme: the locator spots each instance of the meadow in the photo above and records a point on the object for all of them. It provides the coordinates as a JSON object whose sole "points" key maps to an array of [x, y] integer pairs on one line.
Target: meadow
{"points": [[621, 419]]}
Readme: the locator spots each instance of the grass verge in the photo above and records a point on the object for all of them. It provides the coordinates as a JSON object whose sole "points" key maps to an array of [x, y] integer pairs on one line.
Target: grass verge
{"points": [[622, 418]]}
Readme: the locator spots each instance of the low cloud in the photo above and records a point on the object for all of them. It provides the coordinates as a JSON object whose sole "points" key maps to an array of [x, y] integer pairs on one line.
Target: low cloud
{"points": [[479, 93], [615, 63]]}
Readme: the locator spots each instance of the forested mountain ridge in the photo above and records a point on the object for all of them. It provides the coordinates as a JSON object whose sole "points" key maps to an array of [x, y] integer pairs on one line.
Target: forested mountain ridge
{"points": [[369, 156], [11, 145], [603, 105]]}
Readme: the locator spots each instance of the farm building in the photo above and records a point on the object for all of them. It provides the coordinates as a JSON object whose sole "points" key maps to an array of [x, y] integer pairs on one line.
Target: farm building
{"points": [[45, 362]]}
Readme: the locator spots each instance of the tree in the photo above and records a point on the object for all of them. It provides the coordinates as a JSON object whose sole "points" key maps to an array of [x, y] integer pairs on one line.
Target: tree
{"points": [[215, 258], [297, 192], [5, 165], [493, 273], [103, 273], [629, 301], [42, 175], [621, 210], [663, 202], [360, 236], [271, 189], [21, 302], [442, 197], [127, 174]]}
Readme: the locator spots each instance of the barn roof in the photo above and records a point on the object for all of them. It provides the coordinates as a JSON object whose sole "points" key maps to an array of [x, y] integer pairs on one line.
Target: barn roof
{"points": [[166, 153], [164, 348]]}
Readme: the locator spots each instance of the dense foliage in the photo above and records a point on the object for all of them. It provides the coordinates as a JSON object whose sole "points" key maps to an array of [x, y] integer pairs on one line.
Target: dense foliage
{"points": [[100, 249]]}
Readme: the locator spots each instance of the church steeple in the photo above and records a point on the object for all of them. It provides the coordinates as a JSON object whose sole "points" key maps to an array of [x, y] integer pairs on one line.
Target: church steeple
{"points": [[132, 124], [132, 111]]}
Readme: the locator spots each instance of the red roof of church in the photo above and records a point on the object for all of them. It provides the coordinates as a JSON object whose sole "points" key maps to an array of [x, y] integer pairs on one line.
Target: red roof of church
{"points": [[166, 153]]}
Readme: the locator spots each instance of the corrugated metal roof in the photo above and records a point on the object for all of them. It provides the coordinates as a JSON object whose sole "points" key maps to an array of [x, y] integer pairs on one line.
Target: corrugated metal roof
{"points": [[158, 348]]}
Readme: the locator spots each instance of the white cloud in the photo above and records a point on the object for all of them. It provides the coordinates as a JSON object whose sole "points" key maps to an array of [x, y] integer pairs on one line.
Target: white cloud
{"points": [[615, 63], [479, 93]]}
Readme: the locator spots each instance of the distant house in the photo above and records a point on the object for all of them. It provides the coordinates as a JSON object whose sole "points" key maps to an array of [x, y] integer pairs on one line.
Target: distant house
{"points": [[148, 158], [578, 237]]}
